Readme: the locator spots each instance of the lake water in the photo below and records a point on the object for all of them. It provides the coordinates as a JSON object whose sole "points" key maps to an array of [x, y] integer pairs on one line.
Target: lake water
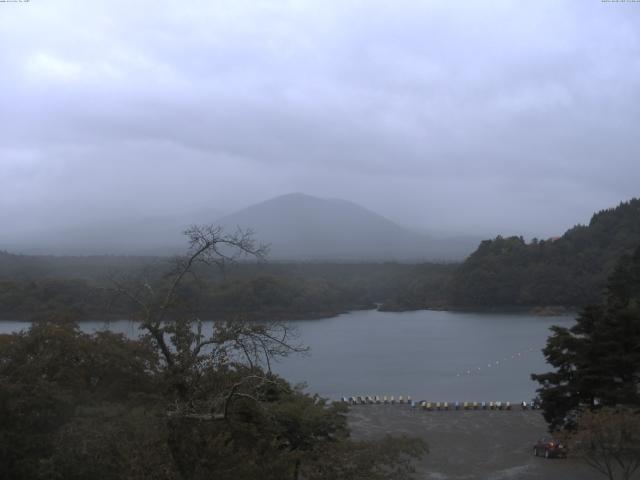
{"points": [[439, 356]]}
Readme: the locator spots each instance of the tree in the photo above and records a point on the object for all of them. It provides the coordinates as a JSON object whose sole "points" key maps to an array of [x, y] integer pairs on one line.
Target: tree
{"points": [[597, 360], [570, 270], [208, 245], [227, 377], [609, 441], [178, 403], [63, 396]]}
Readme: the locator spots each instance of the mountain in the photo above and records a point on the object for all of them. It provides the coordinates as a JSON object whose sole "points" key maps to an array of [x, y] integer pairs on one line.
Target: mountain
{"points": [[571, 270], [302, 227], [147, 235], [296, 226]]}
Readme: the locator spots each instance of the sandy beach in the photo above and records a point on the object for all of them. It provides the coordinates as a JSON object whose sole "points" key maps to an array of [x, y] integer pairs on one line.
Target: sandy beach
{"points": [[469, 445]]}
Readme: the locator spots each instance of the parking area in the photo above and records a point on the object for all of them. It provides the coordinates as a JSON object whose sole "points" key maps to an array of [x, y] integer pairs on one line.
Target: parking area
{"points": [[471, 444]]}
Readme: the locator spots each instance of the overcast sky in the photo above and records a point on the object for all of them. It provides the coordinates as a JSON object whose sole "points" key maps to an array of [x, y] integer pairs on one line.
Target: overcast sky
{"points": [[469, 116]]}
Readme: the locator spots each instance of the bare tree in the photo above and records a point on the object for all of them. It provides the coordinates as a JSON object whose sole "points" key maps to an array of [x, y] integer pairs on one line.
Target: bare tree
{"points": [[189, 354], [609, 441]]}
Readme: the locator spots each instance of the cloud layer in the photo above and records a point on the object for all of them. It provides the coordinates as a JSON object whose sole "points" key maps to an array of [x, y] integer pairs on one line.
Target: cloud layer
{"points": [[491, 117]]}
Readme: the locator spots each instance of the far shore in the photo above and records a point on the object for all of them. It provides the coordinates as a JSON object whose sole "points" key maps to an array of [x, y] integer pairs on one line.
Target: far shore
{"points": [[540, 311]]}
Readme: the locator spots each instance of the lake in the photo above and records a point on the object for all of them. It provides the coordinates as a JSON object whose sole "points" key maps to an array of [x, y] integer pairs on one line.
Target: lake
{"points": [[439, 356]]}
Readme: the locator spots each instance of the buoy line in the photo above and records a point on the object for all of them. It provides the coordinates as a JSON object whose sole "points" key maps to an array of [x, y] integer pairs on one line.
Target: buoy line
{"points": [[431, 406], [494, 364]]}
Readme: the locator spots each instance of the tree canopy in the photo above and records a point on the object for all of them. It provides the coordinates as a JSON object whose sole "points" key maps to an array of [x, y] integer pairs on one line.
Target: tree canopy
{"points": [[597, 361], [570, 270]]}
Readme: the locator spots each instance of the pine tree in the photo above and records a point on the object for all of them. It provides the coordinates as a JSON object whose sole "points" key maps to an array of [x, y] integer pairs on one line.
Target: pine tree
{"points": [[597, 361]]}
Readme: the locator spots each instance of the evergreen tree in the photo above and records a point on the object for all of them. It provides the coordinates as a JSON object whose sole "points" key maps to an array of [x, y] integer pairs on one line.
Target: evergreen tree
{"points": [[597, 360], [571, 270]]}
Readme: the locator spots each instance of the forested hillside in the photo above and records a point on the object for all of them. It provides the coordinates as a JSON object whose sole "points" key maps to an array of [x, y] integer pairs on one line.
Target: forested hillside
{"points": [[33, 286], [264, 297], [570, 270]]}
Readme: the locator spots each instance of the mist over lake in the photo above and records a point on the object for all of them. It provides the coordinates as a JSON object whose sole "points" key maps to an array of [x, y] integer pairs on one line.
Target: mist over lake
{"points": [[434, 355]]}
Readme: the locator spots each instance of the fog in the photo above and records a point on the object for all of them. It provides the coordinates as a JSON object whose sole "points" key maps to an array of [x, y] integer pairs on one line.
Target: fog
{"points": [[458, 117]]}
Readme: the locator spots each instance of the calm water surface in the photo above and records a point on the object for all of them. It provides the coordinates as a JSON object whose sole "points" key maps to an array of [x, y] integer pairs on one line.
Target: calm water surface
{"points": [[440, 356]]}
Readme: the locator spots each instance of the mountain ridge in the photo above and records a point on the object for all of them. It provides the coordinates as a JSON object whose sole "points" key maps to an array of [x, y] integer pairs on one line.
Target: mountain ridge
{"points": [[303, 227], [298, 226]]}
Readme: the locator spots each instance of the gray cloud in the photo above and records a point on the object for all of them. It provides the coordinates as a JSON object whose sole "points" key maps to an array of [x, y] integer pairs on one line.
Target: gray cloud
{"points": [[465, 116]]}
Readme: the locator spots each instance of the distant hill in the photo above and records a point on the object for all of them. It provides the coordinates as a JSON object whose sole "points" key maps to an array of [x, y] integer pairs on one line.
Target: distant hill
{"points": [[144, 235], [302, 227], [296, 226], [570, 270]]}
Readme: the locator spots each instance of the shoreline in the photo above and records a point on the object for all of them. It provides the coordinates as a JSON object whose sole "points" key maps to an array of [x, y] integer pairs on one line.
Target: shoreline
{"points": [[548, 311], [537, 310]]}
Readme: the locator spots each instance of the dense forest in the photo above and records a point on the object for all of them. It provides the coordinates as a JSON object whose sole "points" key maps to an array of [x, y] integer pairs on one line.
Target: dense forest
{"points": [[569, 271], [32, 286]]}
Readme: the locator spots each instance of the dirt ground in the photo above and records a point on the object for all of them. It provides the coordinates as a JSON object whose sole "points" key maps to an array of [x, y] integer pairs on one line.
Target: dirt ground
{"points": [[467, 445]]}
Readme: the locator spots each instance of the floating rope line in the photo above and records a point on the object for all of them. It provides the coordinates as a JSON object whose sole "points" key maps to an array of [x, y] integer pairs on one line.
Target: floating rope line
{"points": [[495, 363]]}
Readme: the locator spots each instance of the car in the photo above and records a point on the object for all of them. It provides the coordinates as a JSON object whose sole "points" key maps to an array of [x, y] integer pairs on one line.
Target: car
{"points": [[548, 447]]}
